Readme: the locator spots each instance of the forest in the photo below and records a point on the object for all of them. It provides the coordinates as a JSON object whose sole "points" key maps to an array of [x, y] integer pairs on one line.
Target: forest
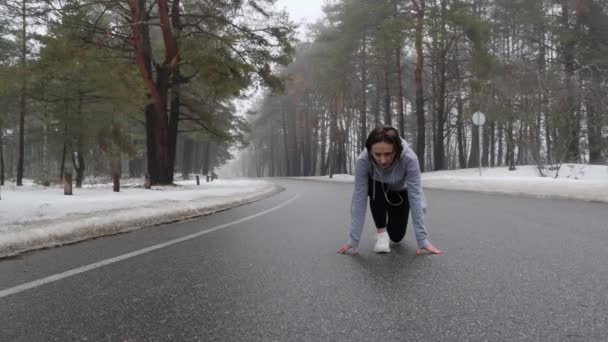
{"points": [[106, 88], [536, 69], [152, 88]]}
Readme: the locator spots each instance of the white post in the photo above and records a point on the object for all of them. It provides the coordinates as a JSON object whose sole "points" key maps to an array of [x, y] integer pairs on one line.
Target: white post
{"points": [[479, 152], [479, 119]]}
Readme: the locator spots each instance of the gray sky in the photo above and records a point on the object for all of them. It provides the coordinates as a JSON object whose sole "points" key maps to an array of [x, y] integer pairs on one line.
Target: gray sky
{"points": [[302, 11]]}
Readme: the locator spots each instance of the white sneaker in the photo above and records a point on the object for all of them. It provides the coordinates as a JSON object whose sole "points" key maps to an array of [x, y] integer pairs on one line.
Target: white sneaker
{"points": [[382, 243]]}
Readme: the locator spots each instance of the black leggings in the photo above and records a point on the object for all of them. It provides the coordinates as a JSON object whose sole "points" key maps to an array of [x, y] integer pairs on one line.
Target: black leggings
{"points": [[393, 217]]}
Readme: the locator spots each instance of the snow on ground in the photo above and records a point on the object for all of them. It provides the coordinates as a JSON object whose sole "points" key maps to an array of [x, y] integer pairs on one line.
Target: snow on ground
{"points": [[574, 181], [34, 216]]}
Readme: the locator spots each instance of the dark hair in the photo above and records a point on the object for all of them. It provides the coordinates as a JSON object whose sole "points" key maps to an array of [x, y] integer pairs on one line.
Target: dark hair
{"points": [[387, 134]]}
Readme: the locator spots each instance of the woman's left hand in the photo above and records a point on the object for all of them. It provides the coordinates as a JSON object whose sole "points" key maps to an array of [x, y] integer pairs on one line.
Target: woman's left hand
{"points": [[430, 249]]}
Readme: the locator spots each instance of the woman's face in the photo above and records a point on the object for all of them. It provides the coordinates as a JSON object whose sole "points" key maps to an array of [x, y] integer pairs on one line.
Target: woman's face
{"points": [[383, 154]]}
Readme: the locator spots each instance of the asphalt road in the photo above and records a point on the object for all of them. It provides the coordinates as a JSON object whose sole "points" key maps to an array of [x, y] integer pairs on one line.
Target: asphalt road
{"points": [[514, 269]]}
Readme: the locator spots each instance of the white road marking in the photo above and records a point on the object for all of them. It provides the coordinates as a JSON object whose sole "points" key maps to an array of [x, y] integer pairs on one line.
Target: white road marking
{"points": [[63, 275]]}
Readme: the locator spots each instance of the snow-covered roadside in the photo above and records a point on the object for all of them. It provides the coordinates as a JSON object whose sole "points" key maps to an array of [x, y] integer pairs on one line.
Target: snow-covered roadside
{"points": [[580, 182], [33, 217], [594, 191]]}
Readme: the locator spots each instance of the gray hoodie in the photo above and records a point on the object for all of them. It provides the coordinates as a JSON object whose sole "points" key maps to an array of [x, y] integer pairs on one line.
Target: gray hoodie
{"points": [[403, 174]]}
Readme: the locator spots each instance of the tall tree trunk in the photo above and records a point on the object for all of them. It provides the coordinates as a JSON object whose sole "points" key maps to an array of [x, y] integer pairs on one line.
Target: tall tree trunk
{"points": [[293, 142], [500, 144], [334, 138], [271, 171], [1, 156], [421, 131], [315, 145], [159, 158], [510, 146], [174, 117], [400, 109], [460, 133], [544, 101], [377, 101], [387, 89], [460, 124], [78, 163], [323, 165], [363, 131], [115, 162], [64, 151], [439, 144], [287, 171], [492, 143], [594, 121], [45, 147], [78, 155], [569, 131], [486, 145], [521, 146], [22, 103], [176, 78], [474, 152]]}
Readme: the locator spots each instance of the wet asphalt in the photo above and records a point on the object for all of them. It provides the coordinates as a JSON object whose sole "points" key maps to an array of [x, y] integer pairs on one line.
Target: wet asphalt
{"points": [[514, 269]]}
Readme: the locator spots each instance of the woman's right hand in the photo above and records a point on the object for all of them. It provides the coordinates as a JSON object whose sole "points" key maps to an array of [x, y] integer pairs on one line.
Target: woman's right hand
{"points": [[346, 247]]}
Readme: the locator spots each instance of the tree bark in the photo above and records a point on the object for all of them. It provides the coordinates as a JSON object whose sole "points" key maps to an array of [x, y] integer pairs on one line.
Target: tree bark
{"points": [[78, 157], [460, 125], [175, 88], [22, 102], [174, 119], [64, 151], [486, 145], [439, 143], [499, 159], [594, 119], [323, 165], [116, 181], [400, 109], [363, 131], [78, 163], [67, 184], [421, 131], [544, 105], [387, 89], [287, 171], [492, 143], [510, 146], [116, 168], [376, 105], [474, 153], [569, 131], [159, 158], [314, 152], [1, 157], [270, 137], [293, 142]]}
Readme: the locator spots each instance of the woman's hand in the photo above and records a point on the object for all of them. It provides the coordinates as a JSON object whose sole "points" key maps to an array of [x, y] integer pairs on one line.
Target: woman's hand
{"points": [[346, 247], [430, 249]]}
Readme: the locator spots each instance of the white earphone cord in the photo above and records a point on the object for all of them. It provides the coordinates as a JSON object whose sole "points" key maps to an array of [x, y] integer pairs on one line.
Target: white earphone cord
{"points": [[389, 187]]}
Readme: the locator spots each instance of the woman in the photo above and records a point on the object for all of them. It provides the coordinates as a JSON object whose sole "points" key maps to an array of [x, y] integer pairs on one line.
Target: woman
{"points": [[388, 172]]}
